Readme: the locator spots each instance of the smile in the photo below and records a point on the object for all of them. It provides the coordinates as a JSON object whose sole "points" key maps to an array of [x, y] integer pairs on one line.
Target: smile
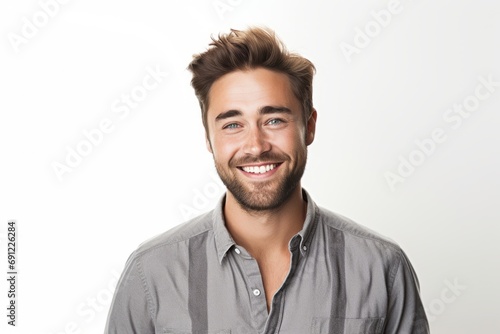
{"points": [[259, 169]]}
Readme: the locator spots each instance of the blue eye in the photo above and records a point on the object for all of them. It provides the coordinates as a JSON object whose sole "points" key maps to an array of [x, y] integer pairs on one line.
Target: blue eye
{"points": [[231, 126], [275, 121]]}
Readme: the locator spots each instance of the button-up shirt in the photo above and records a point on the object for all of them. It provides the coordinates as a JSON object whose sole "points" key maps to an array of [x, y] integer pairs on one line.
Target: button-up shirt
{"points": [[343, 278]]}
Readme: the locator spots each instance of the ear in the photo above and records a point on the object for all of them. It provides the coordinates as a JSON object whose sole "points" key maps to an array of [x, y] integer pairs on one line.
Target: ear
{"points": [[207, 142], [311, 127]]}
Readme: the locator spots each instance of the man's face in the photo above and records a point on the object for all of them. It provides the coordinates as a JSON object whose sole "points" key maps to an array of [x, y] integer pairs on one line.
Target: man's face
{"points": [[258, 137]]}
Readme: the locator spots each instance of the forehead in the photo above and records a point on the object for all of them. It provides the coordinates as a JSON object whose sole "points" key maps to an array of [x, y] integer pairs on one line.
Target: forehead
{"points": [[250, 90]]}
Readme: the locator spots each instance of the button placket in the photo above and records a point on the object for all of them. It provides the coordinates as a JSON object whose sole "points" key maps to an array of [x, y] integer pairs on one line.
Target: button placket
{"points": [[254, 285]]}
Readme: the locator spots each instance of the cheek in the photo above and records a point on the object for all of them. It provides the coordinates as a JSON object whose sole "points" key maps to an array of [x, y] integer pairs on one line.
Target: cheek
{"points": [[290, 142], [224, 149]]}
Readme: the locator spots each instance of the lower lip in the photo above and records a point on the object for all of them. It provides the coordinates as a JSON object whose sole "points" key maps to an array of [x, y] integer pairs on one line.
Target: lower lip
{"points": [[261, 175]]}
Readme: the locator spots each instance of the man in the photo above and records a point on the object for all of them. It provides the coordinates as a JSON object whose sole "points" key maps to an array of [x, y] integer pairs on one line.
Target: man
{"points": [[267, 259]]}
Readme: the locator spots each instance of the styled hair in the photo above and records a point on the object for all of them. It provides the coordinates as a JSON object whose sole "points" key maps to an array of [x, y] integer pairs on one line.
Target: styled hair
{"points": [[245, 50]]}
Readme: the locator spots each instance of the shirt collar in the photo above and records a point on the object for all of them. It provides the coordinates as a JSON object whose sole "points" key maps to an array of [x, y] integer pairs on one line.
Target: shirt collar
{"points": [[310, 223], [224, 241]]}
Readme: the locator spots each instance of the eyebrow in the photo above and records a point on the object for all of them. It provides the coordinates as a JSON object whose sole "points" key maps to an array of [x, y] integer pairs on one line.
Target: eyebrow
{"points": [[263, 111]]}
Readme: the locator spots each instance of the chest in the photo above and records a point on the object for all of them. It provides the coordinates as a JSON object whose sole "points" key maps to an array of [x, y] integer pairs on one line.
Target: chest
{"points": [[274, 271], [300, 295]]}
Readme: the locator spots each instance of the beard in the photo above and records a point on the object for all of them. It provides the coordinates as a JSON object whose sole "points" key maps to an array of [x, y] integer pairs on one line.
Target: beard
{"points": [[260, 196]]}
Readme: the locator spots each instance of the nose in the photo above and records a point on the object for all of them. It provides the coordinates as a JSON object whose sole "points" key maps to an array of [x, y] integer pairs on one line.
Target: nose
{"points": [[256, 142]]}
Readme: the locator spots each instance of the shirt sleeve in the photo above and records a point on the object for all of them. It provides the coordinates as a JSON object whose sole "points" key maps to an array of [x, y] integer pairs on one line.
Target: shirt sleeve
{"points": [[131, 308], [406, 313]]}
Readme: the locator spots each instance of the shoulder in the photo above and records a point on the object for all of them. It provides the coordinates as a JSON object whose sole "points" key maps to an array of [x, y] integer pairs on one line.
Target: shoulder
{"points": [[357, 235], [366, 252], [179, 234]]}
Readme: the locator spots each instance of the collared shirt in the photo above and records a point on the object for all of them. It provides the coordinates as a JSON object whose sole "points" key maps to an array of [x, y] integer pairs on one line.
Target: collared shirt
{"points": [[343, 278]]}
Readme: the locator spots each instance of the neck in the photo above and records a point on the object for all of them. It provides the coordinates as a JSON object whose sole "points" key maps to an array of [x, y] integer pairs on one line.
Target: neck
{"points": [[265, 232]]}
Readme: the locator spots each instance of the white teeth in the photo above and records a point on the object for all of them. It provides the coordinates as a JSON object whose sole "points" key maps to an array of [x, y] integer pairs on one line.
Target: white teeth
{"points": [[259, 169]]}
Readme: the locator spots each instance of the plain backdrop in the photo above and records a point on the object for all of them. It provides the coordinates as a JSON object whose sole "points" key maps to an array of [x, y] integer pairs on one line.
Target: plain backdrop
{"points": [[390, 76]]}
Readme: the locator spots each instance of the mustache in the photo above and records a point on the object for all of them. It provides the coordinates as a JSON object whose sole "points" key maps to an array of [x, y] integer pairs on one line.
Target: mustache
{"points": [[263, 158]]}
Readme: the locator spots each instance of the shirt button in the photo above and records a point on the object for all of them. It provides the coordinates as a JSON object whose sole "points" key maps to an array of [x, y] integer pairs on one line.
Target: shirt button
{"points": [[256, 292], [237, 251], [304, 248]]}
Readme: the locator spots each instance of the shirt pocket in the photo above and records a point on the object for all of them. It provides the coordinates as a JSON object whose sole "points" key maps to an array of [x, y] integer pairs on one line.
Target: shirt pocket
{"points": [[175, 331], [350, 325]]}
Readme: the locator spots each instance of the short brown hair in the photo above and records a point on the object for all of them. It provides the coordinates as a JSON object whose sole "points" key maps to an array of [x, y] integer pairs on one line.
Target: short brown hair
{"points": [[249, 49]]}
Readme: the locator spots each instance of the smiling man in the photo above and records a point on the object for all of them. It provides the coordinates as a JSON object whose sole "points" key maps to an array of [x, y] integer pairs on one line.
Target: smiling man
{"points": [[267, 259]]}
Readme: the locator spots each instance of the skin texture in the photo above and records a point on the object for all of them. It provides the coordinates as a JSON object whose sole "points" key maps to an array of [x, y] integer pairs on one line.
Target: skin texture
{"points": [[255, 120]]}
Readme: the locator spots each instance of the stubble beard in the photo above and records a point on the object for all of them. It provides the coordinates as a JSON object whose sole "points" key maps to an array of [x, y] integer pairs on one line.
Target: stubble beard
{"points": [[262, 196]]}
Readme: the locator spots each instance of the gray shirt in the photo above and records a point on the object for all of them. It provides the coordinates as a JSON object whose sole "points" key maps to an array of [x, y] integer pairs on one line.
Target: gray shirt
{"points": [[193, 278]]}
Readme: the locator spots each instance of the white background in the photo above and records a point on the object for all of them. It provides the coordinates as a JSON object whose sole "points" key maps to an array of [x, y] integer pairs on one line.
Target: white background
{"points": [[152, 171]]}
